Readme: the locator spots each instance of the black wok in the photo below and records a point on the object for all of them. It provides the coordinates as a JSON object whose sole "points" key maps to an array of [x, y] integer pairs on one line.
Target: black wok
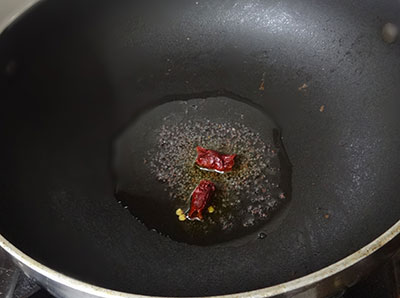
{"points": [[75, 73]]}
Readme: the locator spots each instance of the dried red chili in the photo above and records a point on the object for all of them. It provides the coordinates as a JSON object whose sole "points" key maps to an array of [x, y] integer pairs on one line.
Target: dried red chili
{"points": [[201, 196], [214, 161]]}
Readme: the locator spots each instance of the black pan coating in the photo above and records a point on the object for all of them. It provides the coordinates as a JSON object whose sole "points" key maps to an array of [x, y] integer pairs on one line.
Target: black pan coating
{"points": [[74, 73]]}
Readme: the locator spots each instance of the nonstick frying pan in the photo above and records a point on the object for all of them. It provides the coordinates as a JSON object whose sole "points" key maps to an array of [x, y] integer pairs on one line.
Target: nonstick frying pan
{"points": [[74, 74]]}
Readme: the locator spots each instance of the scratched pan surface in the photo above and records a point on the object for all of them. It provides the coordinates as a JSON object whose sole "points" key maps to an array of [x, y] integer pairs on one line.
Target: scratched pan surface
{"points": [[74, 73]]}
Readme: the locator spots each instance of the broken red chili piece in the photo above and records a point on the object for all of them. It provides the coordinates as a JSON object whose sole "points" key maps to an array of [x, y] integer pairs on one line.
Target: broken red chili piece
{"points": [[214, 161], [200, 198]]}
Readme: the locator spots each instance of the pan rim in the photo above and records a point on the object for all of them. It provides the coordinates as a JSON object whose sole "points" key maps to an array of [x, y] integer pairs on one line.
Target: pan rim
{"points": [[283, 288], [23, 260]]}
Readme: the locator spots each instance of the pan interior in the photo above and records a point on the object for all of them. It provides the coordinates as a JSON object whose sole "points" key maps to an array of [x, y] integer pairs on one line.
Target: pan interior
{"points": [[74, 73]]}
